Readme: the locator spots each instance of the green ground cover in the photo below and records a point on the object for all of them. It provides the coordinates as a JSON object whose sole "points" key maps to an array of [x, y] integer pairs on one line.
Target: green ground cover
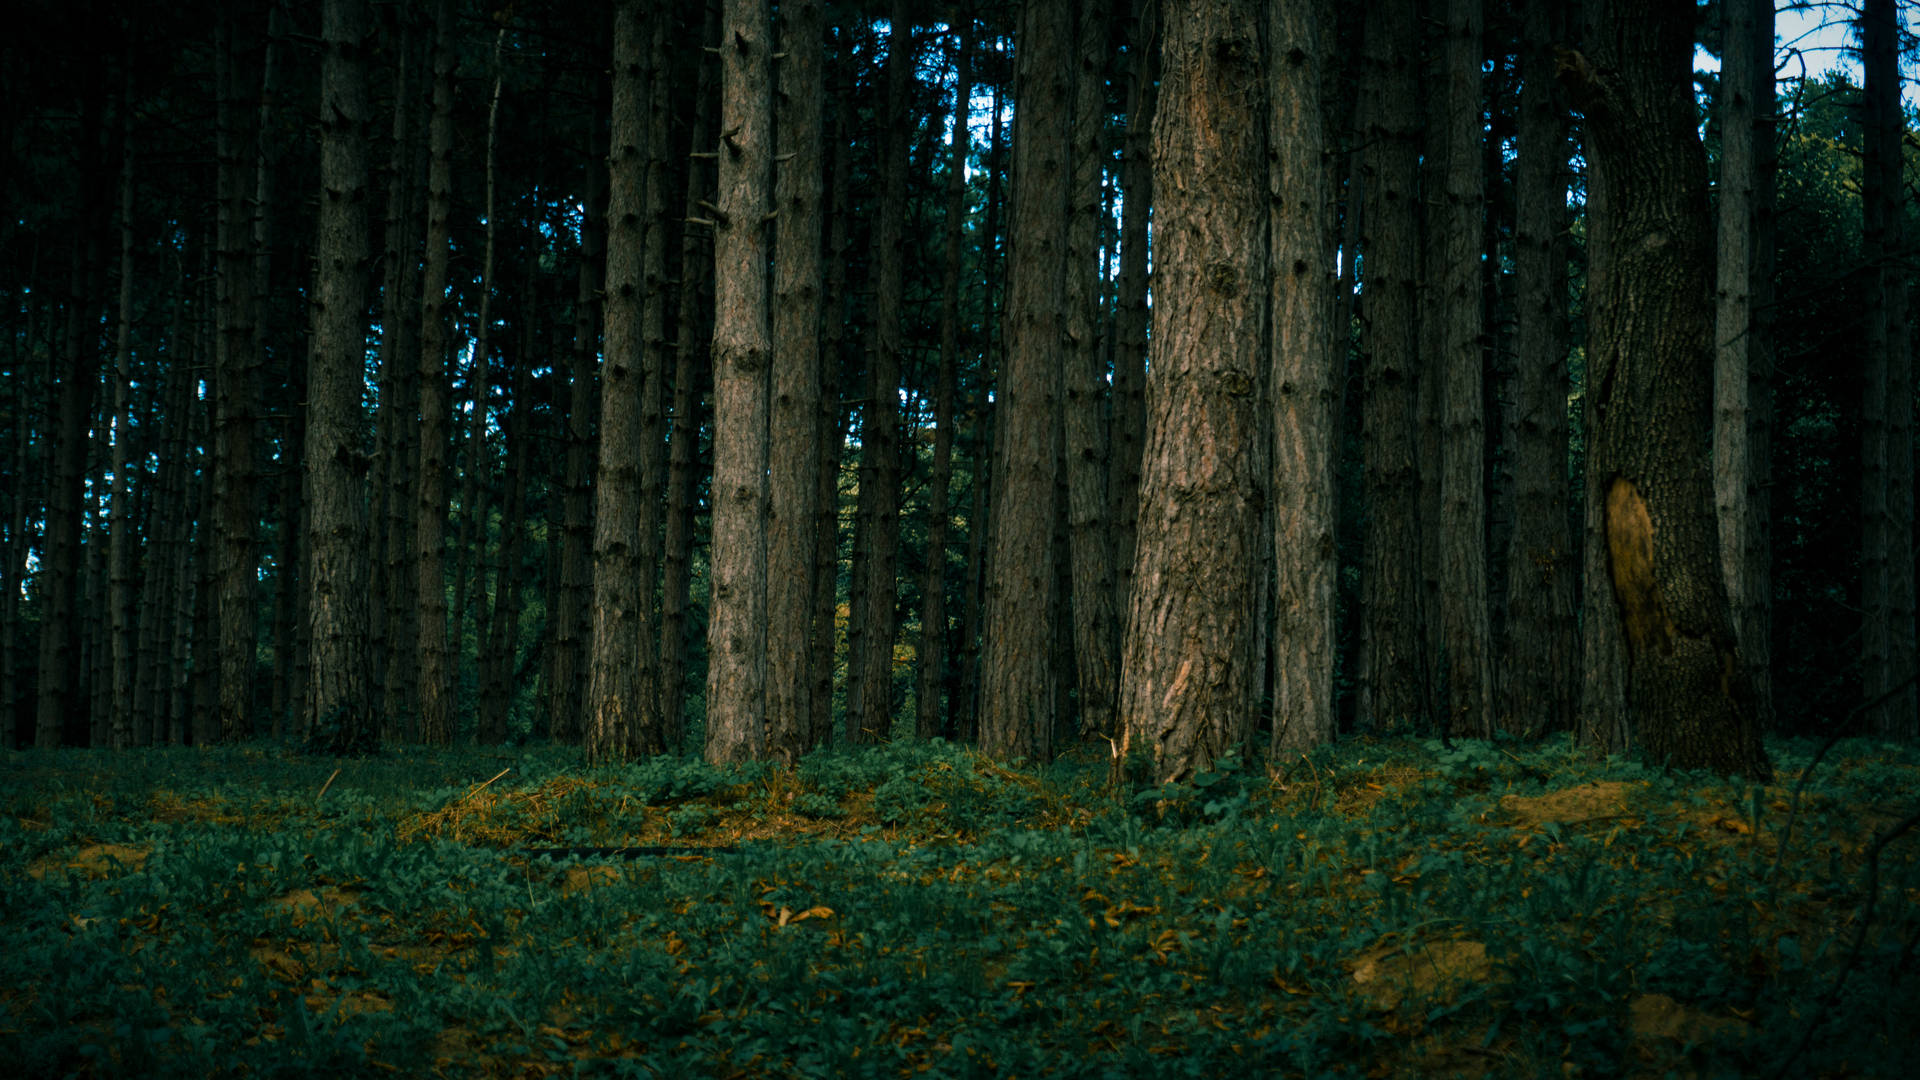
{"points": [[1382, 909]]}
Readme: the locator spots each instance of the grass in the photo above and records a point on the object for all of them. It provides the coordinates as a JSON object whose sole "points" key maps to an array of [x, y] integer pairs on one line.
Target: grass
{"points": [[1381, 909]]}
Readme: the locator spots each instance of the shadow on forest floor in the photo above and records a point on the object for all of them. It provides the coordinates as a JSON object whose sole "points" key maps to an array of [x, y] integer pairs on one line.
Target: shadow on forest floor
{"points": [[1384, 908]]}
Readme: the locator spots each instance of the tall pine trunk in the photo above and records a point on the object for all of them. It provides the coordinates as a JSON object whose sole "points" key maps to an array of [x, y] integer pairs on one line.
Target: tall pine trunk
{"points": [[795, 421], [1187, 690], [338, 698], [435, 687]]}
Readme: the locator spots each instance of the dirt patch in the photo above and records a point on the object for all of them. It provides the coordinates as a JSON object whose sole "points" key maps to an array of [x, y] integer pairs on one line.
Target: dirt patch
{"points": [[93, 861], [580, 879], [1426, 971], [1663, 1030], [1598, 801], [305, 905]]}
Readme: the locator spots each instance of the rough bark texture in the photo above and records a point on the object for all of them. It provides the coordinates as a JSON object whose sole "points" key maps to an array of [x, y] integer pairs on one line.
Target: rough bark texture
{"points": [[1649, 355], [121, 537], [870, 695], [235, 406], [1887, 656], [622, 699], [1739, 469], [1391, 676], [1539, 661], [1303, 378], [1096, 634], [1016, 692], [737, 606], [434, 679], [1187, 693], [1455, 215], [795, 423], [338, 701]]}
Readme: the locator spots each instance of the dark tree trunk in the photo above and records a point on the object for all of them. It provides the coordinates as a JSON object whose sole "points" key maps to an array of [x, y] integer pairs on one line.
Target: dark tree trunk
{"points": [[1304, 378], [432, 659], [1539, 662], [1649, 356], [795, 419], [1129, 412], [1016, 692], [339, 701]]}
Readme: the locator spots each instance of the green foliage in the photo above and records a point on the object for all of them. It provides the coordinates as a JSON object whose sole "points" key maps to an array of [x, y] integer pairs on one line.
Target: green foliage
{"points": [[1382, 908]]}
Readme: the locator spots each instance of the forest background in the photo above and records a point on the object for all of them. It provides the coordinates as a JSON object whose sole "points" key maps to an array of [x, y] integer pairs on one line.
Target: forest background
{"points": [[655, 376]]}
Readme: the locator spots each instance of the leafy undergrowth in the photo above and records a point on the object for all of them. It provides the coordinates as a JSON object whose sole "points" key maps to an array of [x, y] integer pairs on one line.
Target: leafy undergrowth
{"points": [[1383, 909]]}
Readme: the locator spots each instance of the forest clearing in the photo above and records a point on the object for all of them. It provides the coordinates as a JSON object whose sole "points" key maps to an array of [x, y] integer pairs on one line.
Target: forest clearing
{"points": [[1389, 908]]}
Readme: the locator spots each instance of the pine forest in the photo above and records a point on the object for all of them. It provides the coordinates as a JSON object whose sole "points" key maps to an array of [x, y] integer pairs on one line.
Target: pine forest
{"points": [[966, 537]]}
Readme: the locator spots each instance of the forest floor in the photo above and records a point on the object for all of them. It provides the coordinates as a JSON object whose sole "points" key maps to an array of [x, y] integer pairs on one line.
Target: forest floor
{"points": [[1381, 908]]}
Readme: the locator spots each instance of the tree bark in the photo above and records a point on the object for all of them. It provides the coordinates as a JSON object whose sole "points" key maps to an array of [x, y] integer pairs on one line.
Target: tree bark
{"points": [[1650, 343], [1888, 655], [1462, 334], [1016, 692], [1129, 412], [737, 616], [124, 544], [1539, 661], [432, 659], [795, 420], [1096, 635], [1392, 644], [338, 704], [870, 698], [1304, 378], [1187, 693], [622, 697]]}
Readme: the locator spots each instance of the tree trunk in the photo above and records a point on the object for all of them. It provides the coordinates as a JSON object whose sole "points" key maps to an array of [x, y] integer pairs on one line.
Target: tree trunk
{"points": [[622, 698], [1539, 660], [870, 701], [1888, 656], [1016, 694], [338, 697], [1650, 342], [435, 684], [235, 395], [502, 639], [1096, 635], [1187, 693], [59, 576], [795, 420], [737, 619], [1304, 378], [1392, 644], [124, 544], [571, 624], [1462, 336], [931, 710], [1739, 496]]}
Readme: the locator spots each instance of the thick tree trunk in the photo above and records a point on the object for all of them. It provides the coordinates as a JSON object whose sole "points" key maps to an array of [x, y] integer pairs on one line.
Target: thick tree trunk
{"points": [[1650, 343], [1187, 693], [870, 698], [339, 701], [1016, 692], [1888, 657], [236, 402], [1096, 634], [1392, 643], [1303, 378], [622, 696], [432, 659], [1456, 217], [737, 620], [795, 421], [1539, 662]]}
